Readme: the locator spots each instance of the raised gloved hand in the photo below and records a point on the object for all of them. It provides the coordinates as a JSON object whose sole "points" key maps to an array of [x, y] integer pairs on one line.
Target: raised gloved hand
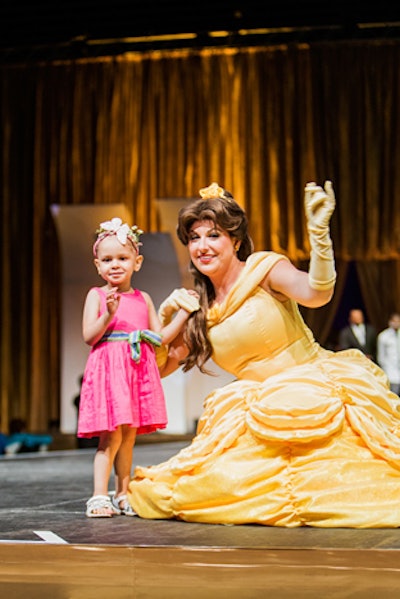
{"points": [[319, 205], [179, 298]]}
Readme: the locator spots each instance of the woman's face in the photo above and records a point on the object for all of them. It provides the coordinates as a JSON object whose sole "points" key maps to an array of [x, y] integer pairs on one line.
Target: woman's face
{"points": [[211, 249]]}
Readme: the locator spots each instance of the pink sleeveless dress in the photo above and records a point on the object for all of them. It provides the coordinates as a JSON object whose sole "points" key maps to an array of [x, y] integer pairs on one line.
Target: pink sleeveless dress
{"points": [[116, 389]]}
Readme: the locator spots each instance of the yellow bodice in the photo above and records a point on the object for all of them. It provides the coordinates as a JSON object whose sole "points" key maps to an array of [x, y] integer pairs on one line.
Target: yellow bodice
{"points": [[253, 334]]}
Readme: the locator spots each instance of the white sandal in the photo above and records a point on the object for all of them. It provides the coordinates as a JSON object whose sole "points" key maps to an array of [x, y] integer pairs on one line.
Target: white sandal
{"points": [[100, 502], [126, 508]]}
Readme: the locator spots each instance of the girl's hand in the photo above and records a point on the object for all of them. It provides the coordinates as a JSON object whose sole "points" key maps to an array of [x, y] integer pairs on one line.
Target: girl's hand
{"points": [[112, 300], [193, 293]]}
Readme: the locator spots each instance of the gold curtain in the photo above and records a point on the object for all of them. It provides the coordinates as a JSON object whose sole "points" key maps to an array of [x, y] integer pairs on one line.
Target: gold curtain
{"points": [[141, 126]]}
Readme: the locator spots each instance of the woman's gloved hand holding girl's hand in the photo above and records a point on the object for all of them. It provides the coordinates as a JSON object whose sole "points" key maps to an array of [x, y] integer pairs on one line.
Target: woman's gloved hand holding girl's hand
{"points": [[179, 298]]}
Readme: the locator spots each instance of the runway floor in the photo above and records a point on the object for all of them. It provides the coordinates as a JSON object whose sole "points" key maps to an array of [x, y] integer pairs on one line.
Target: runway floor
{"points": [[50, 550]]}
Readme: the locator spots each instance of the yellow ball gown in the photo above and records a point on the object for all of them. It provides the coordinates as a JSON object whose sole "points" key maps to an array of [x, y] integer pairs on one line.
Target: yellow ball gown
{"points": [[303, 437]]}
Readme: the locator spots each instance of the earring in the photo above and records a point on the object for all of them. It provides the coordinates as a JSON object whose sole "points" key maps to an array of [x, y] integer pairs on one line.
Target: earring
{"points": [[236, 246]]}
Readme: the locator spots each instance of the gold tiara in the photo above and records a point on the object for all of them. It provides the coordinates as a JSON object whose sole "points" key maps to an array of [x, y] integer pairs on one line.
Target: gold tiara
{"points": [[212, 192]]}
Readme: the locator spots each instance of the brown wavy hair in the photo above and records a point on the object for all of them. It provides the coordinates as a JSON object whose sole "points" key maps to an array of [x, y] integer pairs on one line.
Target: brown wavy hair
{"points": [[226, 214]]}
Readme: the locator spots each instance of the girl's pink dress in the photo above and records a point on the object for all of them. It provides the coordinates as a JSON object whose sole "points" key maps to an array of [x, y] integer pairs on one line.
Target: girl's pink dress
{"points": [[115, 389]]}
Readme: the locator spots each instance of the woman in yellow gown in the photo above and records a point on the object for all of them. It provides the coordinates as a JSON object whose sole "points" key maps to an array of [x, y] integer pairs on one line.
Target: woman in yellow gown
{"points": [[304, 436]]}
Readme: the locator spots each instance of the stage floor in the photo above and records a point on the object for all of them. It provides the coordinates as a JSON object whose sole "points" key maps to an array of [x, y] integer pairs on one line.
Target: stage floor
{"points": [[49, 549]]}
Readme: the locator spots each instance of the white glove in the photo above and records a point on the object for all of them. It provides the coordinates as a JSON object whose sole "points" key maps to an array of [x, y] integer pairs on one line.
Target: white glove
{"points": [[179, 298], [319, 205]]}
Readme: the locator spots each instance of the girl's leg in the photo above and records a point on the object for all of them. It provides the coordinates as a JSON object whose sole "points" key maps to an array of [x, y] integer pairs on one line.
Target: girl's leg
{"points": [[109, 443], [123, 460]]}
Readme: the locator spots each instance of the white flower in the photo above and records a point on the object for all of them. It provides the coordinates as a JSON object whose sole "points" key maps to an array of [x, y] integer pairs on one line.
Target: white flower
{"points": [[115, 226], [121, 230]]}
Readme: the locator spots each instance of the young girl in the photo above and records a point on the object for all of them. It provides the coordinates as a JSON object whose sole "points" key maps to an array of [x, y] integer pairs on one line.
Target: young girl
{"points": [[121, 392]]}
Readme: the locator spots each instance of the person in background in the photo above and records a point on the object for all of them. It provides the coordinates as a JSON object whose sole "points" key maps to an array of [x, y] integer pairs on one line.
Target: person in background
{"points": [[359, 335], [121, 393], [303, 436], [388, 351]]}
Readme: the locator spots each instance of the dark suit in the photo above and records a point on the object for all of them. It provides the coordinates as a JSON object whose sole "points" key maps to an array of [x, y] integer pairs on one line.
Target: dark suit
{"points": [[348, 340]]}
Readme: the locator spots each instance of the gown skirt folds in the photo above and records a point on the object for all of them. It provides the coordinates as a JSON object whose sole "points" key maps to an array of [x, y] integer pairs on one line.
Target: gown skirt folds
{"points": [[303, 437], [116, 389]]}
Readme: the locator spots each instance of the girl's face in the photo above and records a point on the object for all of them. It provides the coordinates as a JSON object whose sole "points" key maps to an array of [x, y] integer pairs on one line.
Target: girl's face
{"points": [[211, 249], [116, 263]]}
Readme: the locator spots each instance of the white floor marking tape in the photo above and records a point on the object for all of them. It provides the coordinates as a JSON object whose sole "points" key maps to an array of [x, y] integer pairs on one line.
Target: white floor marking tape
{"points": [[50, 537]]}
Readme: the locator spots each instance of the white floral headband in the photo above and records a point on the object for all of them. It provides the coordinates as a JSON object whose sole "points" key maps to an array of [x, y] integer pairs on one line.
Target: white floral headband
{"points": [[122, 231]]}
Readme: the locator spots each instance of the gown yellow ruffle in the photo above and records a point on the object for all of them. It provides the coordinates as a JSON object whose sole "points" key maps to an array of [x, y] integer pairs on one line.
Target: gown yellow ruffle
{"points": [[304, 437]]}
